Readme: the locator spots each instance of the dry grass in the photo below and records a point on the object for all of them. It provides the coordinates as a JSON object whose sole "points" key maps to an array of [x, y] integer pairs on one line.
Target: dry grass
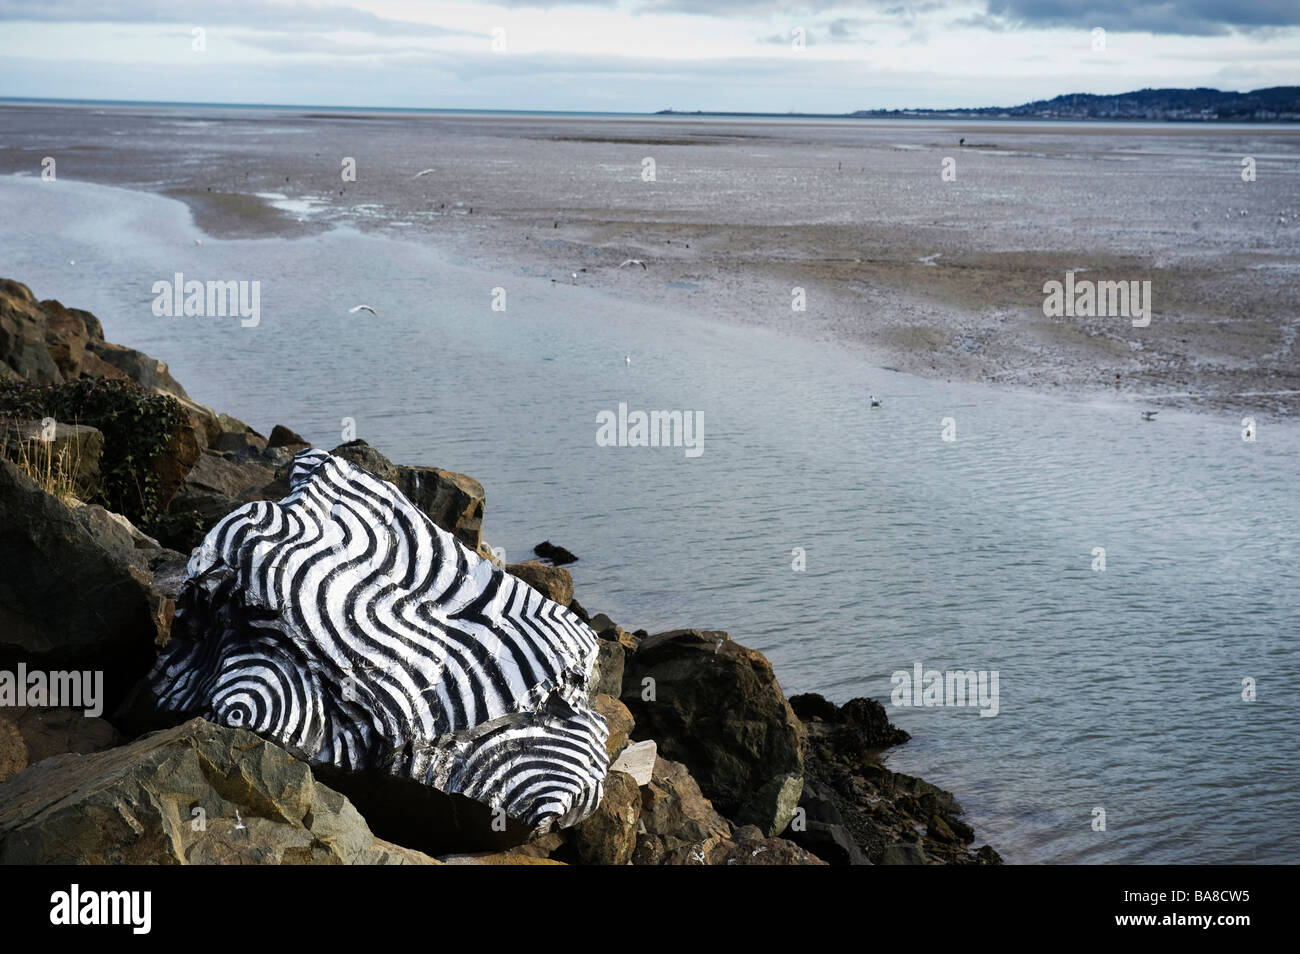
{"points": [[54, 472]]}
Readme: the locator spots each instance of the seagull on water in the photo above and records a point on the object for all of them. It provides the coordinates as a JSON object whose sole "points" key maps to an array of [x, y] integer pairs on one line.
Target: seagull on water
{"points": [[633, 261], [422, 172], [1149, 415], [627, 359], [875, 401], [356, 308]]}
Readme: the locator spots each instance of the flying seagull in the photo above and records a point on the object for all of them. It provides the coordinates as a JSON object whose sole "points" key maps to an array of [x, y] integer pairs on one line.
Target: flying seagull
{"points": [[422, 172], [1149, 415], [633, 261], [356, 308]]}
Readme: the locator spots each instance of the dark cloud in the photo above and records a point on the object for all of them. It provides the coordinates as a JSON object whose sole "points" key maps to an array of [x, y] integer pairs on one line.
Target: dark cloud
{"points": [[1181, 17], [253, 14]]}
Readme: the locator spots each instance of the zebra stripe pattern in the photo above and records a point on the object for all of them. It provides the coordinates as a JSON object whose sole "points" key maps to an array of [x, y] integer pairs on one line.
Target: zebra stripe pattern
{"points": [[341, 623]]}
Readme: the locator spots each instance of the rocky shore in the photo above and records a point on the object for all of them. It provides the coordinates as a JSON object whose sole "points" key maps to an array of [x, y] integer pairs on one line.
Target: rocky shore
{"points": [[111, 476]]}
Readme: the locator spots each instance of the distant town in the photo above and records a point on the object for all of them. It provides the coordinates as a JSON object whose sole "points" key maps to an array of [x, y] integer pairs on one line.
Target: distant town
{"points": [[1275, 104]]}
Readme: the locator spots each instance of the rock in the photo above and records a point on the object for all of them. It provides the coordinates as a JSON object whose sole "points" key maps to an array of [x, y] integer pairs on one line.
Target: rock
{"points": [[117, 535], [604, 626], [452, 501], [22, 335], [771, 808], [241, 444], [68, 601], [582, 614], [66, 337], [557, 555], [717, 707], [608, 835], [678, 819], [552, 582], [866, 719], [13, 750], [749, 850], [608, 674], [425, 683], [618, 721], [150, 373], [195, 794], [821, 829], [72, 452], [281, 436], [638, 760], [903, 853], [29, 735]]}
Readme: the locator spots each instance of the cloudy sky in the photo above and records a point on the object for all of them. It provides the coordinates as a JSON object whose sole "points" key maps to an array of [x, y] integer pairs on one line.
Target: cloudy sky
{"points": [[639, 55]]}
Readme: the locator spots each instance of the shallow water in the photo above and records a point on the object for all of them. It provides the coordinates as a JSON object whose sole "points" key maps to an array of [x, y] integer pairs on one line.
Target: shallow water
{"points": [[1118, 689]]}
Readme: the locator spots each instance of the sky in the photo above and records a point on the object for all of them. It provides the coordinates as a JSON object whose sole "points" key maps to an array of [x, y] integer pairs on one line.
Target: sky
{"points": [[640, 55]]}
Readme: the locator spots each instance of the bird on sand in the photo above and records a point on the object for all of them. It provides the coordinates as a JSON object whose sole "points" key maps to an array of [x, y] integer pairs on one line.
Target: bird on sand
{"points": [[422, 172], [1149, 415], [356, 308], [633, 261]]}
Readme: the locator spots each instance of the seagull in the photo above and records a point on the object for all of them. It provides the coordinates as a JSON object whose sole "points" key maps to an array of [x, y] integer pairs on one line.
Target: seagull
{"points": [[198, 241], [1149, 415], [72, 261], [422, 172], [627, 359], [875, 401], [633, 261], [356, 308]]}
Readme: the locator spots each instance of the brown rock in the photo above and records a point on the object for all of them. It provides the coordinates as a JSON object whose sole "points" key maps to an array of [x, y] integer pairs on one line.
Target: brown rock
{"points": [[22, 335], [195, 794], [551, 581], [618, 719], [45, 732], [676, 816], [281, 436], [608, 835]]}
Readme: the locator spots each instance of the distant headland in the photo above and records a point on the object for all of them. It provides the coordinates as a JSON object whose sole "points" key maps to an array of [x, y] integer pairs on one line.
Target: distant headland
{"points": [[1275, 104]]}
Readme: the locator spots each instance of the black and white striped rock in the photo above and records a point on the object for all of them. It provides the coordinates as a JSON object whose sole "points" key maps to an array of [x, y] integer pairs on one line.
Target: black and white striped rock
{"points": [[342, 624]]}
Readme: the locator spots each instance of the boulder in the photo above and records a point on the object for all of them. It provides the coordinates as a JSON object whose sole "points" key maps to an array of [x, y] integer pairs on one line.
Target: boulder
{"points": [[638, 760], [821, 830], [195, 794], [677, 820], [22, 335], [557, 555], [717, 707], [67, 333], [29, 735], [552, 582], [771, 808], [150, 373], [68, 600], [608, 674], [749, 846], [281, 436], [608, 835], [618, 720], [429, 686]]}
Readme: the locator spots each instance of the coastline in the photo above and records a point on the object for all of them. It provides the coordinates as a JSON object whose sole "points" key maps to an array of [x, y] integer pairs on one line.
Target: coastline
{"points": [[840, 800]]}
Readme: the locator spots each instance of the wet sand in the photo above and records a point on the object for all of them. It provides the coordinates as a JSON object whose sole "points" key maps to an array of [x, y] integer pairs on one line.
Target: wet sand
{"points": [[939, 278]]}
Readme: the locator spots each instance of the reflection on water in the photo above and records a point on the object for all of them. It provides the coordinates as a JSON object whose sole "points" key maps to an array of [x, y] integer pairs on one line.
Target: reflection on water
{"points": [[1119, 689]]}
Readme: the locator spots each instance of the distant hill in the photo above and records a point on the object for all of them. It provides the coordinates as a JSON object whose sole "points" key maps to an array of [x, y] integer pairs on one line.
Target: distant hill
{"points": [[1276, 104]]}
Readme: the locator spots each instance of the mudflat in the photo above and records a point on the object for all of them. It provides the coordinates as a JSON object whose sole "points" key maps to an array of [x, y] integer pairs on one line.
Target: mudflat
{"points": [[928, 253]]}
